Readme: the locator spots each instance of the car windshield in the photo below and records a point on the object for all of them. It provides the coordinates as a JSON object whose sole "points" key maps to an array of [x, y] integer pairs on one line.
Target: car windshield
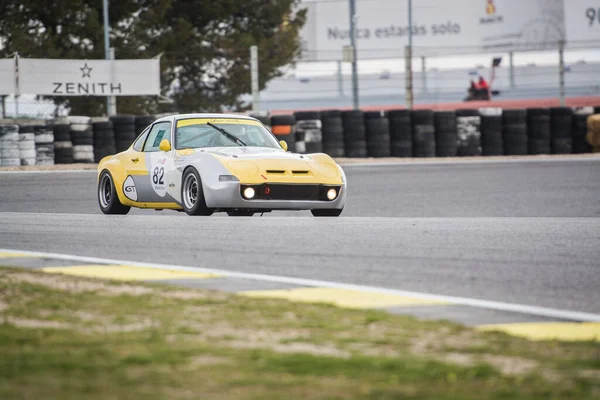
{"points": [[194, 133]]}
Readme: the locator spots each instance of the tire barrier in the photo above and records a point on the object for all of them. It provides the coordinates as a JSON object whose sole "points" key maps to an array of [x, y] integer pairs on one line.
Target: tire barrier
{"points": [[9, 146], [446, 134], [400, 133], [538, 131], [423, 129], [141, 123], [468, 126], [378, 140], [593, 135], [82, 138], [44, 145], [309, 137], [561, 130], [492, 143], [27, 153], [104, 139], [332, 133], [579, 130], [355, 134], [282, 127], [63, 146], [514, 134], [124, 129]]}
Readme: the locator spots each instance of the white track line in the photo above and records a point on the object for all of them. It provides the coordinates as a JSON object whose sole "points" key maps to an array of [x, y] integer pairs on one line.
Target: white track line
{"points": [[57, 171], [493, 305]]}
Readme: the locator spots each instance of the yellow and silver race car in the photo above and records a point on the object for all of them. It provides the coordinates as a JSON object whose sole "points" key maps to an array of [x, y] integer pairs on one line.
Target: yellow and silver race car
{"points": [[206, 163]]}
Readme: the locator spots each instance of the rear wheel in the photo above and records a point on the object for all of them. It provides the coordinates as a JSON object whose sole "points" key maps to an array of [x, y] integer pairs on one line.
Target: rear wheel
{"points": [[107, 196], [333, 212], [192, 195]]}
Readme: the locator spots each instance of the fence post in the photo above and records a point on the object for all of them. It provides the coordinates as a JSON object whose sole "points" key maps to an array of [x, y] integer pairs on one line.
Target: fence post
{"points": [[511, 69], [561, 72], [423, 75], [340, 82], [254, 77], [408, 77], [111, 100], [354, 61]]}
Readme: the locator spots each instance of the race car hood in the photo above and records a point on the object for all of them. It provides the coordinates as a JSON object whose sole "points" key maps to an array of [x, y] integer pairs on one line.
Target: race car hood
{"points": [[254, 165]]}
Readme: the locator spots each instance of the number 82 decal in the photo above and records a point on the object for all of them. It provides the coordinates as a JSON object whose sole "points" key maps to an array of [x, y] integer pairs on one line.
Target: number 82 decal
{"points": [[158, 175]]}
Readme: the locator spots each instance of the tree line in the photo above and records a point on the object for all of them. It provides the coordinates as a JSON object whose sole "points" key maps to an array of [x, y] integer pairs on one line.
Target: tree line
{"points": [[205, 62]]}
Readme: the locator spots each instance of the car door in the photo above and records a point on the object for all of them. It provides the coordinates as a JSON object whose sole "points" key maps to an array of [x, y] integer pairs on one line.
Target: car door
{"points": [[153, 186]]}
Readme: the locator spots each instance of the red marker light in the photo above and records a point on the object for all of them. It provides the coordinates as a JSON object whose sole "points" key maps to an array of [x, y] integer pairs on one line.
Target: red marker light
{"points": [[267, 190]]}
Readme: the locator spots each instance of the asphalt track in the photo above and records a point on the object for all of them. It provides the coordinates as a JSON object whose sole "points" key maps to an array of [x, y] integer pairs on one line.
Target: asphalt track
{"points": [[517, 232]]}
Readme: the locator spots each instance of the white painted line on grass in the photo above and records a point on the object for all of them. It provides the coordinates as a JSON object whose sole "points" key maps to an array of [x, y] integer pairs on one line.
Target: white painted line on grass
{"points": [[493, 305]]}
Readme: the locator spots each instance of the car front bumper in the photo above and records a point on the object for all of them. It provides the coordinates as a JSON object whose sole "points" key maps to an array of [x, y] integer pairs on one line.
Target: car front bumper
{"points": [[227, 195]]}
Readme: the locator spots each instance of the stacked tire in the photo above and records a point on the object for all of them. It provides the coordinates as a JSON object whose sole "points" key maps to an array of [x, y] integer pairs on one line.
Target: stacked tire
{"points": [[332, 132], [423, 128], [401, 136], [378, 140], [142, 122], [44, 144], [538, 130], [514, 132], [468, 125], [593, 135], [355, 134], [125, 131], [561, 130], [9, 146], [82, 137], [27, 145], [579, 130], [492, 143], [308, 132], [282, 127], [446, 134], [63, 146], [104, 140]]}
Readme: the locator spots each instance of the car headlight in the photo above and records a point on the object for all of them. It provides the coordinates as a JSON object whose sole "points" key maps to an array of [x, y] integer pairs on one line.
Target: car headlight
{"points": [[331, 194], [249, 193], [228, 178]]}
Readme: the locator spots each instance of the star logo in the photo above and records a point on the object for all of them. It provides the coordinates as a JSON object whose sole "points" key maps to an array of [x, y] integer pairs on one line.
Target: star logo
{"points": [[85, 70]]}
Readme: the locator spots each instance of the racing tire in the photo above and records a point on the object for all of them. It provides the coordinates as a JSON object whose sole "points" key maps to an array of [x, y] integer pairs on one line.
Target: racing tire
{"points": [[108, 200], [332, 212], [192, 194]]}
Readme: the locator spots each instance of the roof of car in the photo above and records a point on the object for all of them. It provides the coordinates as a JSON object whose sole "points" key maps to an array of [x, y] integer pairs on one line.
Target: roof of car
{"points": [[177, 117]]}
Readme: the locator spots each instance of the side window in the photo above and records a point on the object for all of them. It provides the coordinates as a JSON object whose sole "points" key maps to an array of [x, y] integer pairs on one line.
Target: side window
{"points": [[159, 131], [139, 142]]}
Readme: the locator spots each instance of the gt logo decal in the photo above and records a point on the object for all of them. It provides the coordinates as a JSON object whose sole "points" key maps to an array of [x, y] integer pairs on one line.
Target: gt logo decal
{"points": [[129, 189]]}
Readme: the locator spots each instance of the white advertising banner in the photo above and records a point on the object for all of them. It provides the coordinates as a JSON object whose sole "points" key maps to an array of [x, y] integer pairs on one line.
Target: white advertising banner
{"points": [[582, 21], [89, 77], [7, 76], [439, 27]]}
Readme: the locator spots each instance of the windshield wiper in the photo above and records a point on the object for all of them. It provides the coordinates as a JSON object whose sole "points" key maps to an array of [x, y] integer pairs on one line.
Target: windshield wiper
{"points": [[228, 135]]}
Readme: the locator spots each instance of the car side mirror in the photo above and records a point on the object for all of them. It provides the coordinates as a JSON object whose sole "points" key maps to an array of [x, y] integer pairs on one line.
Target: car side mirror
{"points": [[164, 145], [283, 145]]}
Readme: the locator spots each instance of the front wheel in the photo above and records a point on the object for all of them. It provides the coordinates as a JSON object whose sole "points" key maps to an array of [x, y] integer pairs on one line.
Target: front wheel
{"points": [[107, 196], [332, 212], [192, 195]]}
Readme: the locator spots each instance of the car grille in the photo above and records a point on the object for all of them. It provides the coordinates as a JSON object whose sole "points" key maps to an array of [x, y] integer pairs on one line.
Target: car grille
{"points": [[291, 192]]}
